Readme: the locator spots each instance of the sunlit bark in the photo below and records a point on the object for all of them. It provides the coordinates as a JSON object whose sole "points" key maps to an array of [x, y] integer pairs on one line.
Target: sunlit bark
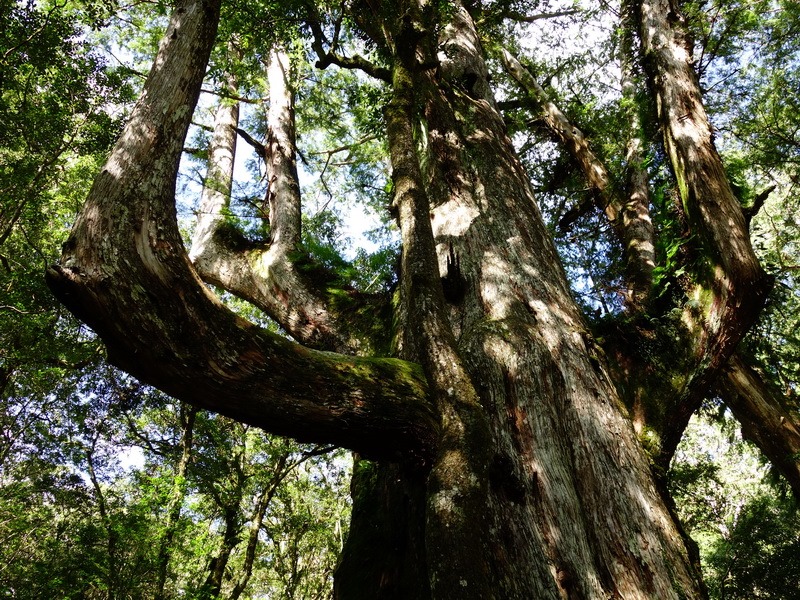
{"points": [[629, 216], [638, 235], [731, 286], [509, 465], [666, 366], [573, 140], [564, 463], [263, 273]]}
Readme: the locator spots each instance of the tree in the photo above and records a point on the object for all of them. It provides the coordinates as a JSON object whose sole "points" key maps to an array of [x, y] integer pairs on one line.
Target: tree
{"points": [[746, 524], [509, 448]]}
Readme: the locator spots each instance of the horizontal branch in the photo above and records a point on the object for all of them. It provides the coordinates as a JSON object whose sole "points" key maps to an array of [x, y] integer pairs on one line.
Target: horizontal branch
{"points": [[329, 57], [523, 18]]}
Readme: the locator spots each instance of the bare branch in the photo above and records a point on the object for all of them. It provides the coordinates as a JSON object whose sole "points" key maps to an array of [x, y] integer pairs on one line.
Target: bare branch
{"points": [[231, 96], [523, 18], [329, 57], [257, 146], [758, 203]]}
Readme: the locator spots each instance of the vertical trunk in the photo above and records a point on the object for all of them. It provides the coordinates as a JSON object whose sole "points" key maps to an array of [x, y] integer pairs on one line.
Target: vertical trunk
{"points": [[219, 179], [230, 538], [256, 520], [458, 478], [112, 539], [568, 507], [284, 191], [177, 497], [637, 227], [729, 285]]}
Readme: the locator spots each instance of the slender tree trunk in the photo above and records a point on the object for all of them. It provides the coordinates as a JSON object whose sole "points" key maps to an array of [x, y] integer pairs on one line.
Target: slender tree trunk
{"points": [[218, 181], [230, 538], [279, 472], [112, 539], [177, 496], [637, 227]]}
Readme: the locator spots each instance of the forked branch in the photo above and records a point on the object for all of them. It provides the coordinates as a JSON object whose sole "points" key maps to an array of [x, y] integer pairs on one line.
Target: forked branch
{"points": [[124, 272]]}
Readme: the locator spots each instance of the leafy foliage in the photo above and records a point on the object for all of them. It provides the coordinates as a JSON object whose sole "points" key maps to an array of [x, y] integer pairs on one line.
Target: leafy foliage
{"points": [[747, 529]]}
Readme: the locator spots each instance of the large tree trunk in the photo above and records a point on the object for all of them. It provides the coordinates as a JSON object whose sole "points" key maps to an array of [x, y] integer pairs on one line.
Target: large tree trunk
{"points": [[565, 504], [516, 470]]}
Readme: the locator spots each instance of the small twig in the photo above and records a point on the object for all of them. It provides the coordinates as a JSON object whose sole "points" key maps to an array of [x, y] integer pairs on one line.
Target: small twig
{"points": [[522, 18], [15, 309], [236, 97]]}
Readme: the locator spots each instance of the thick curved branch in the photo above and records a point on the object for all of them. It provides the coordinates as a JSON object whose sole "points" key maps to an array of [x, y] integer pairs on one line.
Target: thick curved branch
{"points": [[125, 273], [761, 410]]}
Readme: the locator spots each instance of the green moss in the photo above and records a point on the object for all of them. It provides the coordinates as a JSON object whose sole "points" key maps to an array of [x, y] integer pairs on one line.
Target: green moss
{"points": [[650, 440]]}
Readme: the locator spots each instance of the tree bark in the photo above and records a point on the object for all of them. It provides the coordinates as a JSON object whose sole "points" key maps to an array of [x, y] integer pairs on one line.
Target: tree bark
{"points": [[567, 482], [765, 418], [629, 216], [667, 365], [731, 286], [638, 234], [572, 138]]}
